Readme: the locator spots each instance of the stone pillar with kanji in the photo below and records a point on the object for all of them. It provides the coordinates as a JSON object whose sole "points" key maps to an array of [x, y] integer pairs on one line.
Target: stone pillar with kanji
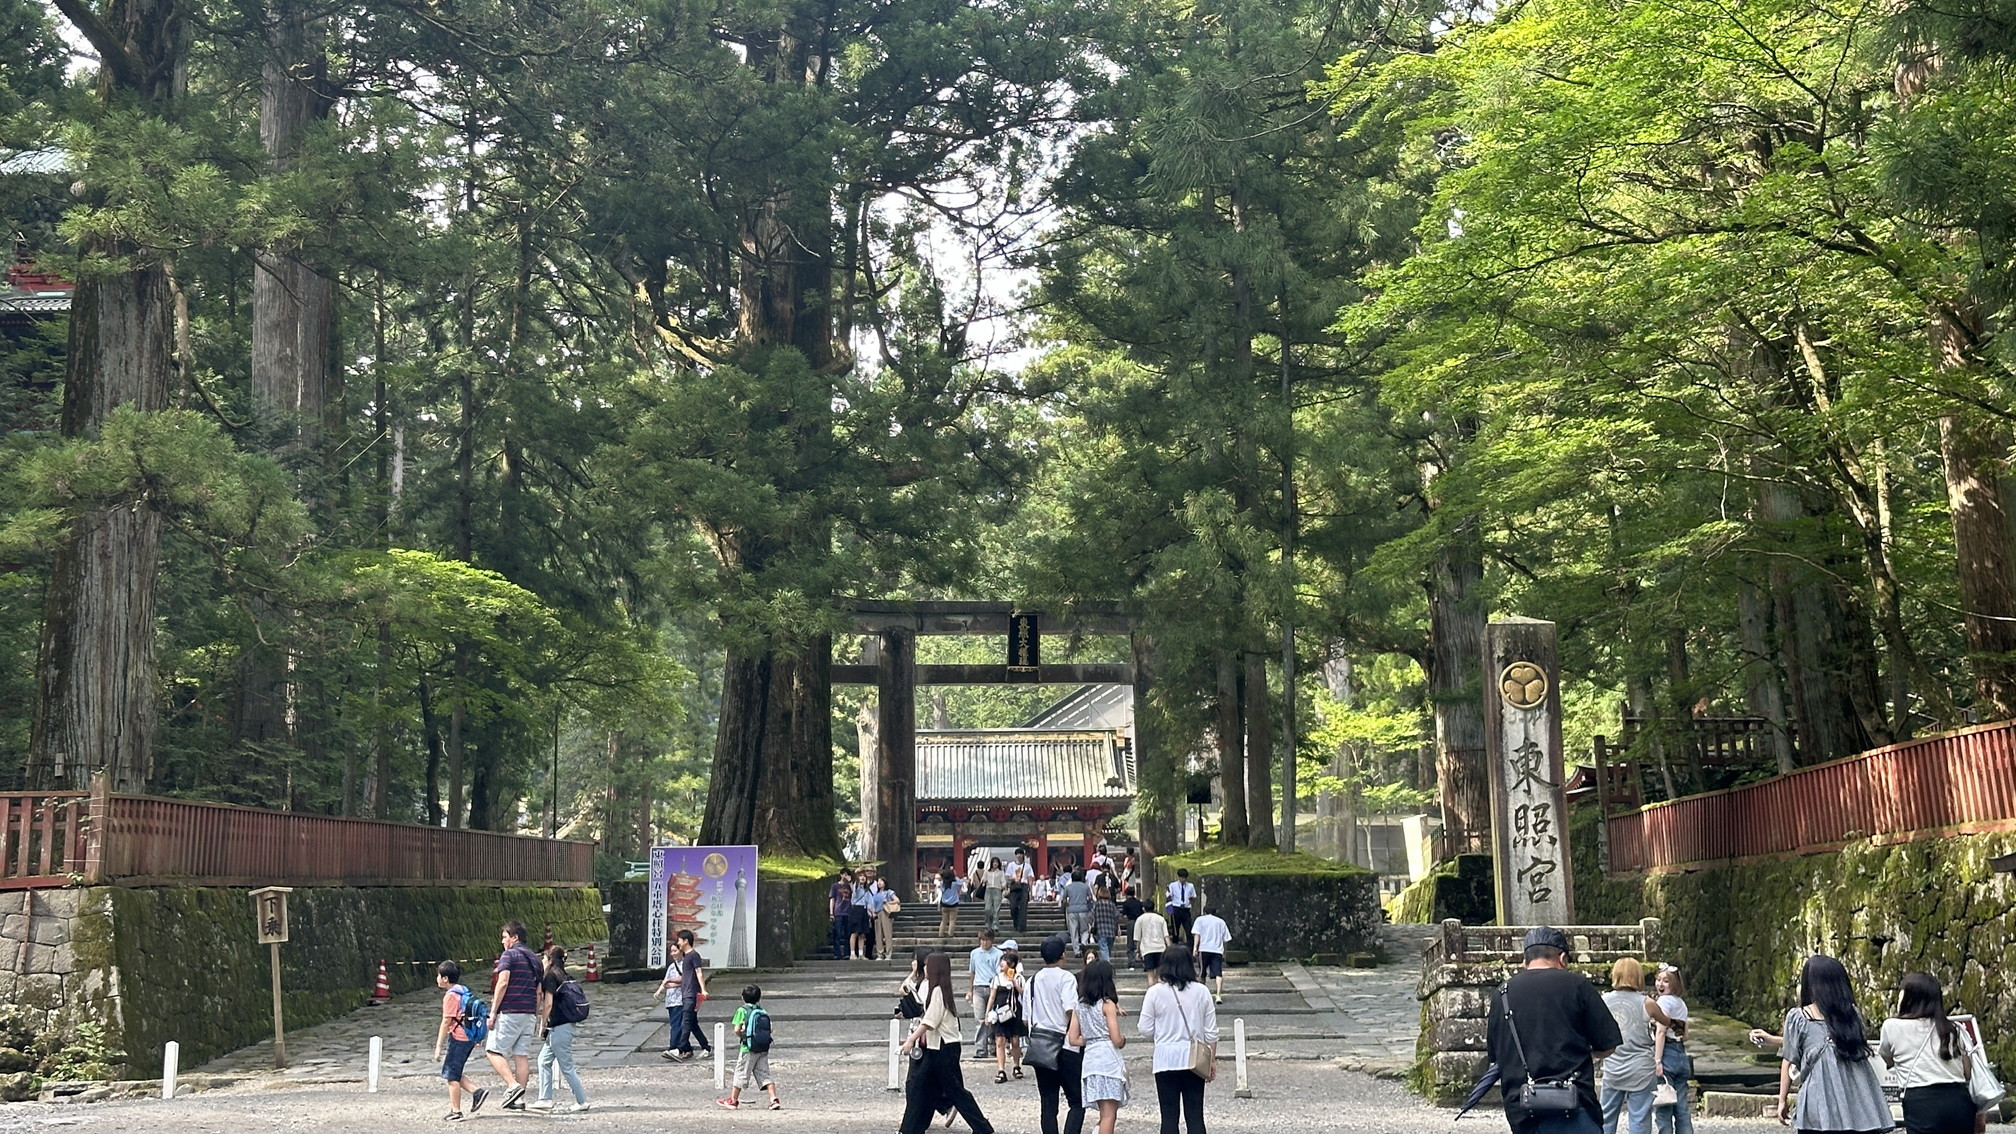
{"points": [[1529, 818]]}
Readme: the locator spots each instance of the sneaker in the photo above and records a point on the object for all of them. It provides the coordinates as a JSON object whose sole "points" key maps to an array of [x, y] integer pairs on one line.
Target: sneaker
{"points": [[1217, 998], [514, 1099], [452, 1116], [539, 1104], [681, 1057], [671, 1053], [476, 1098], [571, 1108], [727, 1104], [776, 1104]]}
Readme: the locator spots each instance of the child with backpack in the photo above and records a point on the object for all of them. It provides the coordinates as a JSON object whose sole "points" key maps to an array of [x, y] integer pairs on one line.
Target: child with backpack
{"points": [[464, 1022], [752, 1063]]}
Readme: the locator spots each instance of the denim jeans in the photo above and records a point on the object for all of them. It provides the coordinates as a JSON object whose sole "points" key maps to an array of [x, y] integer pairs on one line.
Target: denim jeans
{"points": [[1677, 1119], [1636, 1104], [559, 1050], [675, 1021], [1106, 949]]}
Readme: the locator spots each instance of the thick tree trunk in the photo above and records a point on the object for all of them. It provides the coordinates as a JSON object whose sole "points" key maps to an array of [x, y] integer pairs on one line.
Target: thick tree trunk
{"points": [[773, 754], [1231, 740], [95, 690], [1160, 793], [1455, 683], [1975, 456], [1764, 687], [1259, 755], [868, 739], [94, 703]]}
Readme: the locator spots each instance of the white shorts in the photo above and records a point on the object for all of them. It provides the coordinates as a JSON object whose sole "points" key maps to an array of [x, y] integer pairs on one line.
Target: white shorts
{"points": [[513, 1033]]}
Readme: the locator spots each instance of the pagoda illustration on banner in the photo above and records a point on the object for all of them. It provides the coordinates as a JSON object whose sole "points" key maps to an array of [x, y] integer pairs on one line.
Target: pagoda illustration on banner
{"points": [[683, 907]]}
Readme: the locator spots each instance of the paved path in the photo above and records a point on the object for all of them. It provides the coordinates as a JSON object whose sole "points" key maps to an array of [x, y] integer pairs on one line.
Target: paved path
{"points": [[1313, 1033]]}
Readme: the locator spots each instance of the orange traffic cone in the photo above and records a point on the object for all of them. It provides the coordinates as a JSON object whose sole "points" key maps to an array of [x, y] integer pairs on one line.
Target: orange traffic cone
{"points": [[594, 970], [383, 991]]}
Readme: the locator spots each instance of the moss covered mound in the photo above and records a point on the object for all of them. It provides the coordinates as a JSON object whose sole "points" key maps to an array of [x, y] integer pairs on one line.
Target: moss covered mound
{"points": [[1235, 861]]}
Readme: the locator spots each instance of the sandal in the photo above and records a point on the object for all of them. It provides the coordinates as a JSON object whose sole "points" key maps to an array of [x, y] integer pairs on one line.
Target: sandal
{"points": [[1000, 1076], [1018, 1070]]}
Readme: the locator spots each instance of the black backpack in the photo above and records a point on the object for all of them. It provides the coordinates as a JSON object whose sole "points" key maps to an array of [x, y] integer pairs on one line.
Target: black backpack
{"points": [[570, 1004], [758, 1025]]}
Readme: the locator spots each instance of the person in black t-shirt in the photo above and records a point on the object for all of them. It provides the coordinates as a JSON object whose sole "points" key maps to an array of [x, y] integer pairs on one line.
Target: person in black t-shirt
{"points": [[1563, 1028], [1131, 907]]}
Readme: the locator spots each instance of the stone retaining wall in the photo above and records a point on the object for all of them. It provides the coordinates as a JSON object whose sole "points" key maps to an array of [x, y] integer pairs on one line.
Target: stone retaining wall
{"points": [[1287, 917], [183, 963], [1740, 932]]}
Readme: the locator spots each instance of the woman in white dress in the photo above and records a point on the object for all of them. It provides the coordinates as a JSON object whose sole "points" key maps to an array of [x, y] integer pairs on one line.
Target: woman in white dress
{"points": [[1096, 1025]]}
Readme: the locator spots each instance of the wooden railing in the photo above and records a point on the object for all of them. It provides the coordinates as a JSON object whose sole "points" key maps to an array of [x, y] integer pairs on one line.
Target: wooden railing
{"points": [[1954, 783], [1456, 943], [42, 838], [56, 839]]}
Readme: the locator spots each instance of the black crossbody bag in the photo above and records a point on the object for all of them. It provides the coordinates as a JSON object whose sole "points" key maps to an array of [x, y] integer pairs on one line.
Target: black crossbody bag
{"points": [[1541, 1096]]}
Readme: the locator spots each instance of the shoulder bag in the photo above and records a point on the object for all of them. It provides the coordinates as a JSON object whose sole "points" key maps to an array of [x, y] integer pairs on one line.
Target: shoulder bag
{"points": [[1541, 1096], [1203, 1056], [1043, 1047], [893, 906], [1982, 1085]]}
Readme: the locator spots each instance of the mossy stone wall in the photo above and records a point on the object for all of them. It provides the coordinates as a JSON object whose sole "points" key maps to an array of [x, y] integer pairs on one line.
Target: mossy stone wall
{"points": [[1463, 888], [1279, 917], [183, 964], [1740, 933]]}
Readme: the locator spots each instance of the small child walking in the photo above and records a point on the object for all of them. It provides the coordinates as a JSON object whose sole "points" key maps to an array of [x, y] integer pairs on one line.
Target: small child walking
{"points": [[455, 1038], [752, 1061]]}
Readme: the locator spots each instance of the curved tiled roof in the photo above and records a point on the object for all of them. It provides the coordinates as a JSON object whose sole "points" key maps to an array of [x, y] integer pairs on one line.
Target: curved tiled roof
{"points": [[1013, 765]]}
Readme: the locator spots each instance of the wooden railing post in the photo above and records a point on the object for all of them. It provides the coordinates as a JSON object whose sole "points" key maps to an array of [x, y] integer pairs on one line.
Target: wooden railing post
{"points": [[97, 828]]}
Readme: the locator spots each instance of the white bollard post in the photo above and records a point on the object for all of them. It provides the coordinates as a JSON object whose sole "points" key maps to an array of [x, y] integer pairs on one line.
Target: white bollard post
{"points": [[895, 1053], [171, 1054], [377, 1057], [720, 1056], [1240, 1089]]}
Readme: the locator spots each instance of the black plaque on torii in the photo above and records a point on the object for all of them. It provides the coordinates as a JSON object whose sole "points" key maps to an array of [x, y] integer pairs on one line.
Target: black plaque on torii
{"points": [[1025, 647]]}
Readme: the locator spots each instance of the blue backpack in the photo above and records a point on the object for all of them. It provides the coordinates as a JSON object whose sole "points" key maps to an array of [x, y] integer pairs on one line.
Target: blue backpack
{"points": [[475, 1018], [759, 1029]]}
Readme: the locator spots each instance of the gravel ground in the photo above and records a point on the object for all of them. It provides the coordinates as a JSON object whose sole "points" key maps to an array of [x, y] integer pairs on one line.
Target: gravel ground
{"points": [[1291, 1096]]}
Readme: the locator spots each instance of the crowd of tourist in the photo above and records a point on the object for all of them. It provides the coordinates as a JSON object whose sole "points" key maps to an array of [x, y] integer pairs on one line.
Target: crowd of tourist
{"points": [[1569, 1060], [1065, 1025]]}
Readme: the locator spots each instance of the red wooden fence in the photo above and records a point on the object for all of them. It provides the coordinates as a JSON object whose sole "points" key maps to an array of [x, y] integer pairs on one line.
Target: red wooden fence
{"points": [[55, 838], [1953, 783]]}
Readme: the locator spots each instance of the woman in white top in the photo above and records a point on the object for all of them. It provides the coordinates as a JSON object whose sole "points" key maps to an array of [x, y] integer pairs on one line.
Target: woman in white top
{"points": [[1670, 1049], [1929, 1055], [936, 1034], [1176, 1012], [1096, 1024]]}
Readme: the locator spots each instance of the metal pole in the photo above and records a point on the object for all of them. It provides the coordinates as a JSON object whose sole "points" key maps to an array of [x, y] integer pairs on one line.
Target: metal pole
{"points": [[377, 1059], [279, 1027]]}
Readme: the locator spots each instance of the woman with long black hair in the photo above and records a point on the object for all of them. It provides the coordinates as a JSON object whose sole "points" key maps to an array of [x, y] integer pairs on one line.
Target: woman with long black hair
{"points": [[1929, 1054], [1176, 1013], [935, 1033], [1825, 1039]]}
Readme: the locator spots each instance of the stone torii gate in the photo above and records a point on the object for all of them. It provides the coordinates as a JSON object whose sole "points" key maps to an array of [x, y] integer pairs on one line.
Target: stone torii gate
{"points": [[896, 676]]}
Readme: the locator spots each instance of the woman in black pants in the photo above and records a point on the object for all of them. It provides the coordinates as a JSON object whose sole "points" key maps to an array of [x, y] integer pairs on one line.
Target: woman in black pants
{"points": [[936, 1034], [1177, 1011], [1930, 1056]]}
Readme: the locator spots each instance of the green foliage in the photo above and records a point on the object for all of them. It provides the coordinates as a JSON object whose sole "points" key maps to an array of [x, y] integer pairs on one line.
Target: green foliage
{"points": [[1252, 861]]}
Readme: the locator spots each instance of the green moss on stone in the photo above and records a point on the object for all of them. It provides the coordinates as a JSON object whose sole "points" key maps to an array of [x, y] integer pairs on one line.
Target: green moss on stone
{"points": [[1224, 861]]}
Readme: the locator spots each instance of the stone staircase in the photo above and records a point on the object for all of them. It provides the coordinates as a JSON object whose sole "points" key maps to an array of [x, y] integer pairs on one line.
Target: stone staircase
{"points": [[917, 924]]}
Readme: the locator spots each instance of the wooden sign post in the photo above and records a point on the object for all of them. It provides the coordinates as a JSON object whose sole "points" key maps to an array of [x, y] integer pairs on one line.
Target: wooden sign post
{"points": [[269, 911], [1522, 734]]}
